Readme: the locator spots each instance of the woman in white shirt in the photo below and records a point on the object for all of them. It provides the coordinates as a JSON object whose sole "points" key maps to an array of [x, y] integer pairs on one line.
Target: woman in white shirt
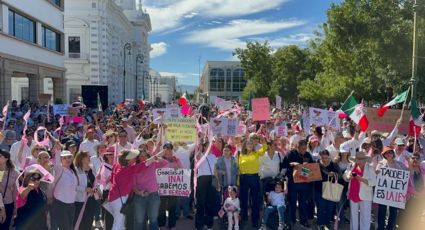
{"points": [[85, 190], [64, 191]]}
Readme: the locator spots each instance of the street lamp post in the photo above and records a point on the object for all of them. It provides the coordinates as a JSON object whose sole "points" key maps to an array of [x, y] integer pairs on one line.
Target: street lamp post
{"points": [[417, 7], [139, 59], [127, 46]]}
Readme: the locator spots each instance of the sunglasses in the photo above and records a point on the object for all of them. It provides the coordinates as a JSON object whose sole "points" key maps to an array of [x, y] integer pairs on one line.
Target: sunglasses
{"points": [[40, 149], [35, 178], [415, 158]]}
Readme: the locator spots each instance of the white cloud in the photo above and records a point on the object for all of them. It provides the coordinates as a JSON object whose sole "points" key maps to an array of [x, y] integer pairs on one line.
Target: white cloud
{"points": [[169, 14], [300, 39], [183, 78], [229, 36], [158, 49]]}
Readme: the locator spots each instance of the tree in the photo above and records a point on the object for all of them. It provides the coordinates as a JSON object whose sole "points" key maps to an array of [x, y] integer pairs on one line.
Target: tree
{"points": [[256, 60]]}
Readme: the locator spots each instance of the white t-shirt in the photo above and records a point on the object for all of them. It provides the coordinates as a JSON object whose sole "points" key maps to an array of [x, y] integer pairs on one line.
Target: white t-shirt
{"points": [[96, 163], [184, 155], [402, 157], [269, 167], [207, 170], [276, 199], [232, 205], [26, 151], [89, 146]]}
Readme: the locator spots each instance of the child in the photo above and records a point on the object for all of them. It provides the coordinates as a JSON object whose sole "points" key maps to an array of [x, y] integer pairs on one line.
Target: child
{"points": [[232, 207], [276, 201]]}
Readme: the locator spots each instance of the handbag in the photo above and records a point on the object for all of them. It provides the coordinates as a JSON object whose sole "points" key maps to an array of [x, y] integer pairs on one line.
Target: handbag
{"points": [[332, 190], [214, 182], [126, 207]]}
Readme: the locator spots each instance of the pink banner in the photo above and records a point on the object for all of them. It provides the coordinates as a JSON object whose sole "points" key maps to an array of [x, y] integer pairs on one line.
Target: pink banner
{"points": [[260, 109]]}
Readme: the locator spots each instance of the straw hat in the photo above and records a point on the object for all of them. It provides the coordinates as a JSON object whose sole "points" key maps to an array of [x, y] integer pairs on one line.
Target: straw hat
{"points": [[361, 157]]}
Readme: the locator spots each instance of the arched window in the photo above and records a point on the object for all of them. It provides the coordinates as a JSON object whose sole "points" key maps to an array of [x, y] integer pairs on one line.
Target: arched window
{"points": [[216, 79], [239, 81]]}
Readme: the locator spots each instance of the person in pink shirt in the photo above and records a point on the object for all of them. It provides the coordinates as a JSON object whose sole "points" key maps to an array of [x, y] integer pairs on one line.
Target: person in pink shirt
{"points": [[146, 199], [122, 176]]}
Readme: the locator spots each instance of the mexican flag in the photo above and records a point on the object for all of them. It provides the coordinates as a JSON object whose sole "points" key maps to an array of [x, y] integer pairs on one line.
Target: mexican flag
{"points": [[415, 119], [356, 112], [398, 99], [99, 103]]}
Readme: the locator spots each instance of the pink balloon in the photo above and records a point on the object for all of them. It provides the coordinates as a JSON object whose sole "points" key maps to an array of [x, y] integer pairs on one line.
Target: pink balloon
{"points": [[186, 110]]}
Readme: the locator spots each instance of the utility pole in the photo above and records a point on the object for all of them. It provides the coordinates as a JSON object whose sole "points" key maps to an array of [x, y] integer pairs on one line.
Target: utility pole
{"points": [[414, 80]]}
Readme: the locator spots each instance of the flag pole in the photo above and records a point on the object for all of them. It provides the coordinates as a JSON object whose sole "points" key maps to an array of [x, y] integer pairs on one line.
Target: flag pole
{"points": [[404, 104], [351, 94]]}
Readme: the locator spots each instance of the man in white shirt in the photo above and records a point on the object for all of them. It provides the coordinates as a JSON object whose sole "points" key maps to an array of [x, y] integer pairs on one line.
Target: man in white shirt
{"points": [[130, 130], [123, 141], [89, 144], [26, 151]]}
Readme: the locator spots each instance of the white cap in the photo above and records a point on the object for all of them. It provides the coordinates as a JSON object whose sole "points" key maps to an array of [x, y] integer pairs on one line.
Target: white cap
{"points": [[66, 153], [399, 141], [132, 154]]}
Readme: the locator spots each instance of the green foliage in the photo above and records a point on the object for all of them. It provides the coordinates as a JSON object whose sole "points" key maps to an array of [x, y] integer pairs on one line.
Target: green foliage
{"points": [[365, 46]]}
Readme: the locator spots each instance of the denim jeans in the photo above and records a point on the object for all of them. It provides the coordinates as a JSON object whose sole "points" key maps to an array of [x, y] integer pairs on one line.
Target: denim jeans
{"points": [[150, 205], [392, 218], [298, 192], [183, 204], [270, 209], [325, 210]]}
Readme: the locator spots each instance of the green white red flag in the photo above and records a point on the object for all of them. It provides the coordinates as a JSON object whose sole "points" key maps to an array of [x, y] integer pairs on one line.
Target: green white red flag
{"points": [[397, 99], [356, 112], [415, 119]]}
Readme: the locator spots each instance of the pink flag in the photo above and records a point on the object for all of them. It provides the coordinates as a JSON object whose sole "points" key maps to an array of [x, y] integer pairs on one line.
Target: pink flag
{"points": [[5, 108], [45, 141]]}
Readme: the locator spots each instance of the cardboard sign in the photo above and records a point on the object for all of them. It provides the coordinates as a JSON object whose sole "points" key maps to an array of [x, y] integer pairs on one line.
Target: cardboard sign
{"points": [[334, 120], [225, 105], [387, 122], [318, 117], [278, 102], [391, 187], [181, 130], [241, 128], [61, 109], [173, 182], [232, 127], [281, 130], [260, 109], [167, 113], [219, 126], [308, 173]]}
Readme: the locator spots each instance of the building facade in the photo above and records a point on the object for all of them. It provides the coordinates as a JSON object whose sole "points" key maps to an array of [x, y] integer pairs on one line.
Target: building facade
{"points": [[162, 89], [32, 50], [106, 43], [223, 79]]}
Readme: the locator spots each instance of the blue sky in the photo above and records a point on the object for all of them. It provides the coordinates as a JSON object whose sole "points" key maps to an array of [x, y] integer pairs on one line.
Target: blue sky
{"points": [[186, 31]]}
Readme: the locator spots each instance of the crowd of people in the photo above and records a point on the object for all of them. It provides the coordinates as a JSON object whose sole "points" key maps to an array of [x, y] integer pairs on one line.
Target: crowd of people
{"points": [[101, 171]]}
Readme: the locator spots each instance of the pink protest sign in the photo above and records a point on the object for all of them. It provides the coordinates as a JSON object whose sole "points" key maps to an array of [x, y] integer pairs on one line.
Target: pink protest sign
{"points": [[260, 109]]}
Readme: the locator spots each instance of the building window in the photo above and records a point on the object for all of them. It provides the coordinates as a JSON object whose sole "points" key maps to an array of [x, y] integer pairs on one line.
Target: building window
{"points": [[239, 81], [74, 48], [51, 39], [56, 2], [217, 80], [21, 27]]}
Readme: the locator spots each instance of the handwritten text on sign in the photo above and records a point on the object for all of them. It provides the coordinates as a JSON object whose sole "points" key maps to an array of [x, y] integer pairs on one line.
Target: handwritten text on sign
{"points": [[391, 188], [260, 109], [181, 130], [173, 182]]}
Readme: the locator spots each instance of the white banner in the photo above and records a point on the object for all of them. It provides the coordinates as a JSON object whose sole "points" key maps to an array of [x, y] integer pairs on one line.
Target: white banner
{"points": [[225, 105], [224, 126], [167, 113], [318, 117], [278, 102], [391, 187], [173, 182], [281, 130]]}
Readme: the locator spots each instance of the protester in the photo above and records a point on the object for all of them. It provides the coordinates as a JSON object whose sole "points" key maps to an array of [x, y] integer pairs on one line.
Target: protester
{"points": [[344, 163], [270, 167], [362, 178], [227, 168], [31, 203], [275, 202], [64, 191], [104, 178], [232, 208], [8, 189], [249, 167], [297, 192], [325, 208], [388, 162]]}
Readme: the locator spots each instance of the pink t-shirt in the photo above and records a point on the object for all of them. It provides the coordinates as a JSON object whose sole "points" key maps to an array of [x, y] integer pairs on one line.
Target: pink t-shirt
{"points": [[146, 179], [122, 179], [354, 192]]}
